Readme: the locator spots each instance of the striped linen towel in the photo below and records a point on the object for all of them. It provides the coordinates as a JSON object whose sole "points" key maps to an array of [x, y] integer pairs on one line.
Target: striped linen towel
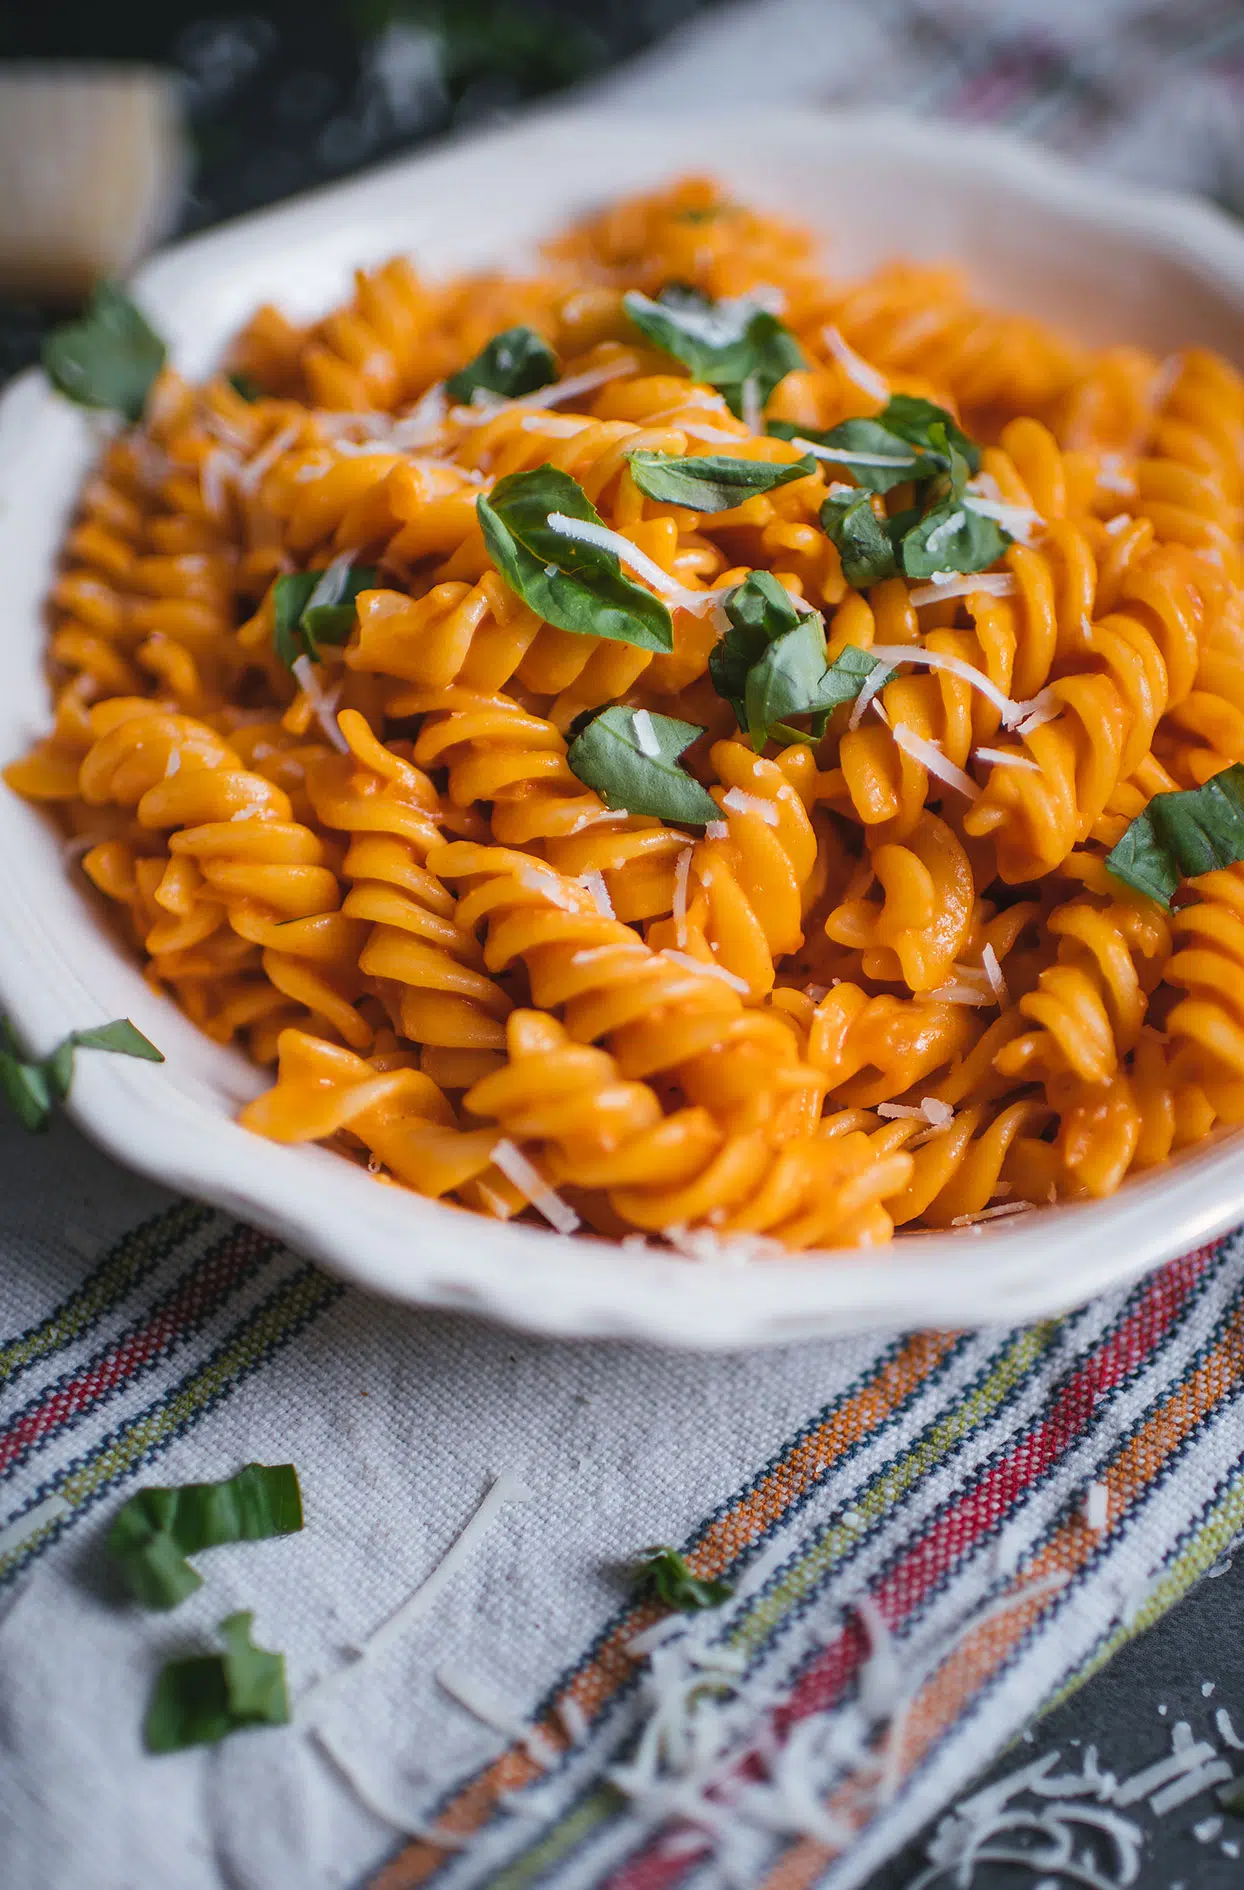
{"points": [[929, 1537]]}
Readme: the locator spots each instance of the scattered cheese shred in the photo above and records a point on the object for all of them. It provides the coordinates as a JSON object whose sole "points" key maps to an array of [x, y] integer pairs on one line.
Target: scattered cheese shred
{"points": [[682, 872], [587, 532], [740, 802], [876, 679], [947, 584], [248, 477], [215, 470], [1005, 758], [931, 757], [32, 1522], [1019, 520], [506, 1488], [1003, 1209], [645, 734], [895, 653], [322, 705], [594, 885], [509, 1158], [717, 830], [854, 366], [1226, 1731], [713, 971], [484, 1704], [993, 971]]}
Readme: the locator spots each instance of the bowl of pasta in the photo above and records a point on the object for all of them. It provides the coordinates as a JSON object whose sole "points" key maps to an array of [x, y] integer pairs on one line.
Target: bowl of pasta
{"points": [[651, 716]]}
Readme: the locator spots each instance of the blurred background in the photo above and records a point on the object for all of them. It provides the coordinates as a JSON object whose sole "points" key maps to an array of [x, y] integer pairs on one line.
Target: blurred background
{"points": [[276, 99]]}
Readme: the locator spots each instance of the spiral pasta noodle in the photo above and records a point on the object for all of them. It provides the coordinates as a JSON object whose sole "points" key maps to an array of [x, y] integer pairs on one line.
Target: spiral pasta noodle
{"points": [[623, 912]]}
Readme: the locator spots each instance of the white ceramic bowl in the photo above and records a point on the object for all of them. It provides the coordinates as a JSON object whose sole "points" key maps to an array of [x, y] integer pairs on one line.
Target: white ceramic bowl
{"points": [[1109, 263]]}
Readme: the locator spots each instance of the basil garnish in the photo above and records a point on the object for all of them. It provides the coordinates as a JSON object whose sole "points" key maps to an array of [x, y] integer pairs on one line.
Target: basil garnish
{"points": [[943, 533], [663, 1576], [771, 665], [198, 1701], [1182, 834], [107, 359], [517, 361], [33, 1086], [314, 607], [154, 1532], [609, 756], [876, 458], [723, 343], [577, 586], [713, 483], [245, 387]]}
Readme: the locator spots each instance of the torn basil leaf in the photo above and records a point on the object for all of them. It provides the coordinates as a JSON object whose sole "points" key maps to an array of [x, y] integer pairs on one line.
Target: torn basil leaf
{"points": [[770, 665], [713, 483], [793, 678], [577, 586], [613, 757], [515, 362], [875, 458], [727, 344], [154, 1532], [864, 541], [1181, 835], [950, 537], [314, 607], [203, 1699], [246, 388], [32, 1086], [663, 1575], [109, 358], [917, 422], [760, 610]]}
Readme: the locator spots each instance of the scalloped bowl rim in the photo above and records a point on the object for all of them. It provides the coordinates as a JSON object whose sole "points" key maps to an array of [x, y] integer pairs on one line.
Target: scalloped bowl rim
{"points": [[61, 967]]}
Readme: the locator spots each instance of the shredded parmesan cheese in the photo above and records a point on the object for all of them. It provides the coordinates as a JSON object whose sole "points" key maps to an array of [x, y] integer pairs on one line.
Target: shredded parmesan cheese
{"points": [[931, 757], [682, 871], [702, 965], [509, 1158], [947, 584], [584, 531], [645, 734], [895, 653], [485, 1705], [249, 476], [876, 679], [1005, 758], [741, 803], [1003, 1209], [1113, 475], [1019, 520], [321, 704], [838, 455], [993, 971], [752, 405], [216, 469], [594, 885], [717, 830], [854, 366], [1119, 523]]}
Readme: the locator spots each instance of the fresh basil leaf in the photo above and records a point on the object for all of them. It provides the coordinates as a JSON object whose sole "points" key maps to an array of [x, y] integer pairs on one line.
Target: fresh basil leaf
{"points": [[245, 387], [577, 586], [793, 678], [663, 1576], [874, 457], [517, 361], [863, 540], [154, 1532], [1181, 835], [314, 607], [121, 1037], [759, 610], [330, 611], [198, 1701], [1141, 860], [32, 1086], [107, 359], [609, 757], [723, 343], [26, 1090], [913, 419], [950, 537], [713, 483]]}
